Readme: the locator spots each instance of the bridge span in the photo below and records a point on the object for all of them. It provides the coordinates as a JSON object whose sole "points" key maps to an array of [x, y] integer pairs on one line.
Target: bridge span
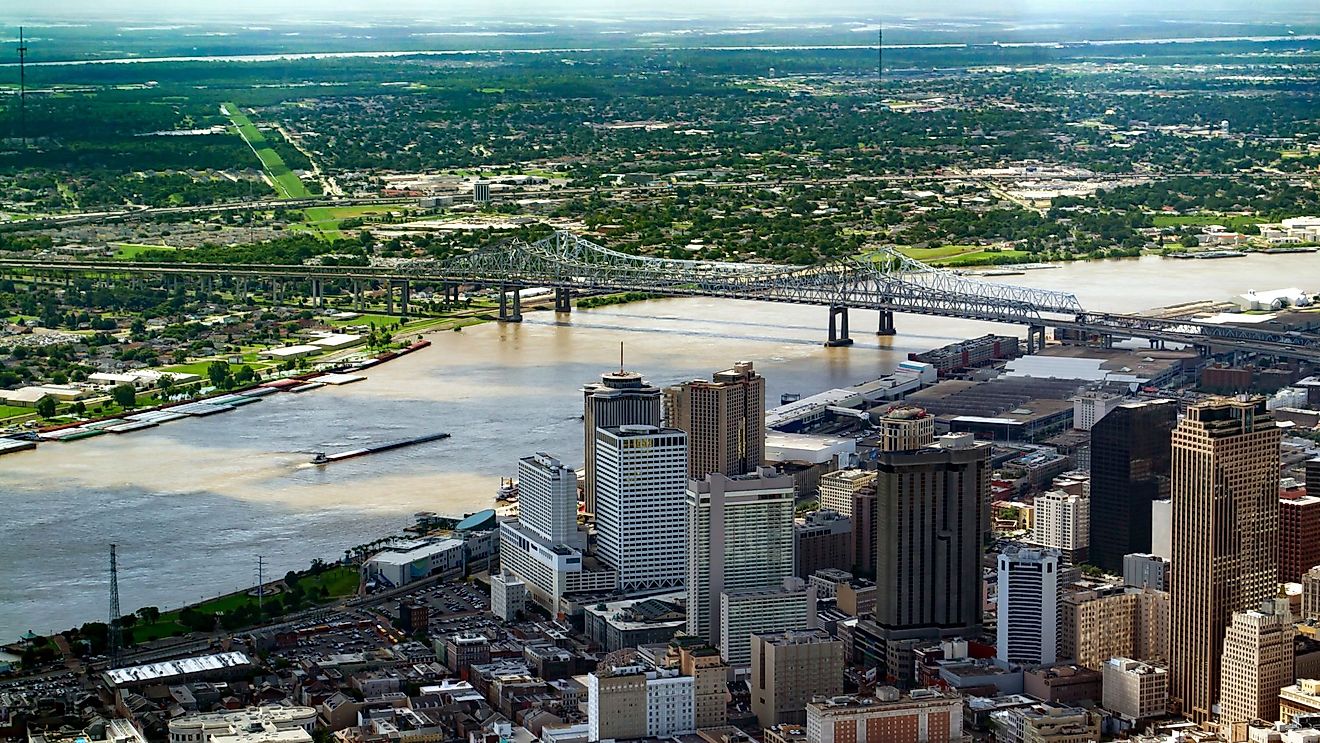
{"points": [[885, 281]]}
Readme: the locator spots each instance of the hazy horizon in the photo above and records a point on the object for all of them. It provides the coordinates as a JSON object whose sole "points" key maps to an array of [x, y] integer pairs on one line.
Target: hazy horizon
{"points": [[516, 11]]}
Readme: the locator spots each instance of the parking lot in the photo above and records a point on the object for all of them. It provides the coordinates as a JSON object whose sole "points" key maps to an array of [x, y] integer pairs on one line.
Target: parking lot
{"points": [[444, 601]]}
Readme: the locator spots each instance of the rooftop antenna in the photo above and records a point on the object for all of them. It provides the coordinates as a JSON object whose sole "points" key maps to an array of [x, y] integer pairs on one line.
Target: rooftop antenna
{"points": [[22, 87], [114, 638]]}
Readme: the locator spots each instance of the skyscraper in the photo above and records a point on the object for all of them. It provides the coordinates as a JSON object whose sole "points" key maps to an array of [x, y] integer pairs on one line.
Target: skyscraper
{"points": [[790, 669], [1225, 492], [739, 538], [1028, 617], [621, 398], [641, 473], [724, 420], [931, 513], [547, 501], [1257, 662], [1129, 470]]}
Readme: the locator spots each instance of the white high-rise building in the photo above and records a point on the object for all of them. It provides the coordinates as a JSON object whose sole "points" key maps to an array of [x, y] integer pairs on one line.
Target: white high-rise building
{"points": [[1062, 521], [641, 482], [547, 498], [1028, 617], [791, 605], [543, 547], [739, 537]]}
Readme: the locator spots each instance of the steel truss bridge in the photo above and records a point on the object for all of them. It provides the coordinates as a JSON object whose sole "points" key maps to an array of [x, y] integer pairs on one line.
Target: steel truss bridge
{"points": [[885, 281]]}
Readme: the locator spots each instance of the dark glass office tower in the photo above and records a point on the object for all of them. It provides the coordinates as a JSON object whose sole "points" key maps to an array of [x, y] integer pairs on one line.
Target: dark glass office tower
{"points": [[1129, 469]]}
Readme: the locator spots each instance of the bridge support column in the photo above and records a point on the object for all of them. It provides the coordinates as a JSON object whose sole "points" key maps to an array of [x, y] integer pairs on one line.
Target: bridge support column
{"points": [[405, 294], [389, 297], [274, 291], [516, 296], [1035, 338], [838, 327], [563, 300], [504, 303], [318, 293], [1157, 343], [886, 323]]}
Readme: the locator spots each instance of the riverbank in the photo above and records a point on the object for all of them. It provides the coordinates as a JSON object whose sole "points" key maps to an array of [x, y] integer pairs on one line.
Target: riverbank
{"points": [[193, 503]]}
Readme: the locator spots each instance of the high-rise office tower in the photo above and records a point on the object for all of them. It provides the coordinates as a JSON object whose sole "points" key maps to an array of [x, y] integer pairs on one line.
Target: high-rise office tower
{"points": [[1225, 492], [1299, 533], [931, 514], [724, 420], [1257, 663], [739, 538], [621, 398], [1028, 617], [547, 502], [905, 428], [1311, 475], [641, 477], [1129, 469]]}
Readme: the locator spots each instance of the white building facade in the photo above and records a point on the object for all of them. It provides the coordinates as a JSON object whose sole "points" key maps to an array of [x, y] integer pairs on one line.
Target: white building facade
{"points": [[641, 481], [1028, 616]]}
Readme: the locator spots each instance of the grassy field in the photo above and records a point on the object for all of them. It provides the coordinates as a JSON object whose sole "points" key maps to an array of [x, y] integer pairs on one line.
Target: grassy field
{"points": [[13, 411], [325, 220], [130, 251], [963, 255], [1232, 222], [339, 581], [286, 183]]}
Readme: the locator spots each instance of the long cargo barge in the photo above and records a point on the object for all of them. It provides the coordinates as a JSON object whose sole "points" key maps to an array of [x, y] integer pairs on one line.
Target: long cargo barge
{"points": [[322, 458]]}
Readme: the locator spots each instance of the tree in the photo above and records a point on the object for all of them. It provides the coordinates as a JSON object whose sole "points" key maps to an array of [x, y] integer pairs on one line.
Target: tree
{"points": [[149, 614], [124, 395], [46, 408], [218, 371]]}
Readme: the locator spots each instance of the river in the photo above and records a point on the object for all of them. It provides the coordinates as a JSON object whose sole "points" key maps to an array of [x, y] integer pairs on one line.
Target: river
{"points": [[192, 503]]}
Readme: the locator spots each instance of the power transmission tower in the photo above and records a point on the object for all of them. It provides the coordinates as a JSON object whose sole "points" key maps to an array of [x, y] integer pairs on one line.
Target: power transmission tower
{"points": [[261, 583], [22, 87], [114, 639]]}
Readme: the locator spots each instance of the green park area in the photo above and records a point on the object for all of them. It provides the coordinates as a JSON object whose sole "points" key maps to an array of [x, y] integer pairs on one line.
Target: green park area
{"points": [[1229, 221], [327, 221], [959, 256], [286, 182], [240, 609], [131, 251]]}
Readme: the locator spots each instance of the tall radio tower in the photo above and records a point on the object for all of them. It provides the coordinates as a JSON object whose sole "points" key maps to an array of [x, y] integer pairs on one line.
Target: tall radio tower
{"points": [[22, 87], [880, 63], [114, 639]]}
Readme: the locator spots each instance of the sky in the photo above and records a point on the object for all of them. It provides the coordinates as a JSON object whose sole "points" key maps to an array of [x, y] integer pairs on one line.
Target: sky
{"points": [[515, 10]]}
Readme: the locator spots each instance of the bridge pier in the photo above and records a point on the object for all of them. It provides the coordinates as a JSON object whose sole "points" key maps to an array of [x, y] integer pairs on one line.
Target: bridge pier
{"points": [[886, 323], [838, 327], [1035, 338], [405, 295], [389, 297], [510, 296], [563, 299], [318, 293], [1157, 343]]}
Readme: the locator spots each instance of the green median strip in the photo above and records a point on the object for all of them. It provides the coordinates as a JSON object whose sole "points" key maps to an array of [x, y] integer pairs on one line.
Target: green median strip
{"points": [[286, 182]]}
